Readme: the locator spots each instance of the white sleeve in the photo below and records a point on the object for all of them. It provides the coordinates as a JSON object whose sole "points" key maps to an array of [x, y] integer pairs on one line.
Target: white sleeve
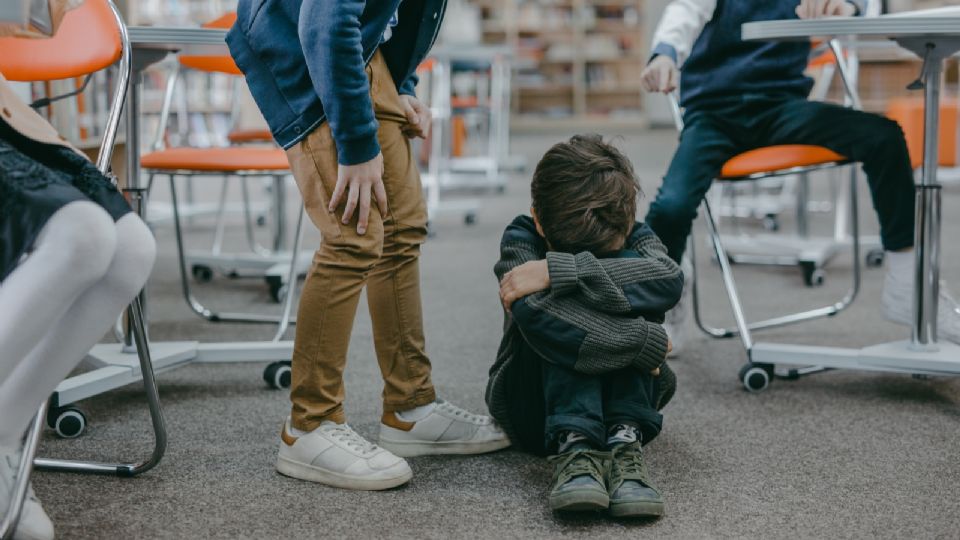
{"points": [[680, 26]]}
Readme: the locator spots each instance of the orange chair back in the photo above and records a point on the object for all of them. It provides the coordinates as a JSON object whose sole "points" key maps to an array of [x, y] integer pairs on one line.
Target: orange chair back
{"points": [[88, 40], [214, 63]]}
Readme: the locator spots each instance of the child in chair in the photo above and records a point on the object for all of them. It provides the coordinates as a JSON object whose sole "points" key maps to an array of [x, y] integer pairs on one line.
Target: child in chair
{"points": [[580, 372]]}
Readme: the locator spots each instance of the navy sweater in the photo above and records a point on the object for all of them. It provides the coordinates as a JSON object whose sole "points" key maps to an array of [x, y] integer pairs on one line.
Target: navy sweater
{"points": [[722, 66]]}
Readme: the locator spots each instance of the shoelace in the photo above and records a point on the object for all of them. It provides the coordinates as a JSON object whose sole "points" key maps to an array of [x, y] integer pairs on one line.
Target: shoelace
{"points": [[351, 438], [580, 463], [628, 465], [461, 413]]}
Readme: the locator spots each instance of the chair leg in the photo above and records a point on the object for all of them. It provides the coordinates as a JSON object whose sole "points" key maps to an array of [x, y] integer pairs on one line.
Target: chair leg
{"points": [[187, 289], [9, 524], [728, 280], [156, 416]]}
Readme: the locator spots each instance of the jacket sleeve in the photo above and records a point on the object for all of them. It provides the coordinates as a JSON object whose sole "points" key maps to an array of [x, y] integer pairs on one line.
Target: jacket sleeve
{"points": [[330, 36], [640, 280], [563, 331], [409, 86]]}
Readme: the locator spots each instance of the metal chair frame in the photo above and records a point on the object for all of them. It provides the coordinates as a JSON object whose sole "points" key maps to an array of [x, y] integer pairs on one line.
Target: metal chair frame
{"points": [[267, 259], [134, 312], [742, 327]]}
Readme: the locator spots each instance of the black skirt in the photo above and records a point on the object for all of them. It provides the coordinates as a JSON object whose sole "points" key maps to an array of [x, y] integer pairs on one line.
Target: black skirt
{"points": [[36, 180]]}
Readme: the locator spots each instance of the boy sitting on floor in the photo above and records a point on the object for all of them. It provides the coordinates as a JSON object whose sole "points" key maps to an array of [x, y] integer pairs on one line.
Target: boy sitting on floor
{"points": [[580, 371]]}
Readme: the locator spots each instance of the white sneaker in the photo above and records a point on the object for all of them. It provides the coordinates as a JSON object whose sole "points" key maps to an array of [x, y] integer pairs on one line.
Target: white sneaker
{"points": [[335, 455], [897, 301], [676, 319], [447, 429], [34, 523]]}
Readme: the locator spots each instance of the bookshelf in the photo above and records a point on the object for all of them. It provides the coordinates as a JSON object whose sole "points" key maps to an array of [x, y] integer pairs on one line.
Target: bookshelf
{"points": [[577, 61]]}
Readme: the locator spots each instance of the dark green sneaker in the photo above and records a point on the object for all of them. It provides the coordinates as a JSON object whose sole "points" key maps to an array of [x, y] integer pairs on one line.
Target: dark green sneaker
{"points": [[578, 481], [631, 493]]}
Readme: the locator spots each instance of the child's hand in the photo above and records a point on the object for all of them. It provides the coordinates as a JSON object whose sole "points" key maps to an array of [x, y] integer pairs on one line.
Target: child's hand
{"points": [[418, 117], [526, 279]]}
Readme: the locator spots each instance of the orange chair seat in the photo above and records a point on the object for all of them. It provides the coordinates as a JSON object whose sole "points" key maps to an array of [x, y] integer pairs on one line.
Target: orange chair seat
{"points": [[777, 158], [240, 136], [232, 159]]}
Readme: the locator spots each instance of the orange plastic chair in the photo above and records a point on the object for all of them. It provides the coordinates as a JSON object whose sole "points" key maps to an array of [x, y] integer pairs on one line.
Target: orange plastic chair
{"points": [[91, 38], [908, 112], [755, 165], [231, 161]]}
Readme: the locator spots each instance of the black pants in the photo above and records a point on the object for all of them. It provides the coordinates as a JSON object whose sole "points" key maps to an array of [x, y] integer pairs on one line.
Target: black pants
{"points": [[589, 404], [712, 135]]}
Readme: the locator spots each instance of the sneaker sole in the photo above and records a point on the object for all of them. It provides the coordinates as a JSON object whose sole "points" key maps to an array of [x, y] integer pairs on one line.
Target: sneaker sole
{"points": [[636, 509], [580, 501], [419, 448], [310, 473]]}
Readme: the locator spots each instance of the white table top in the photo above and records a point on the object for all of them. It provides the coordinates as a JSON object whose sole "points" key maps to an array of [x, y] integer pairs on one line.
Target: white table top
{"points": [[182, 39], [917, 24]]}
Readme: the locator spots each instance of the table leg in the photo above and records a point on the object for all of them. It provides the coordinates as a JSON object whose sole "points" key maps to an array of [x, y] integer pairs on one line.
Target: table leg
{"points": [[927, 233]]}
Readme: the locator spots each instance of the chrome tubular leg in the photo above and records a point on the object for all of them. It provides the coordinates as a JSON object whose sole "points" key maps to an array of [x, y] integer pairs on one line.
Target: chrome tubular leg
{"points": [[926, 237], [695, 296], [728, 280], [248, 221], [291, 279], [188, 295], [156, 417], [217, 247], [9, 524]]}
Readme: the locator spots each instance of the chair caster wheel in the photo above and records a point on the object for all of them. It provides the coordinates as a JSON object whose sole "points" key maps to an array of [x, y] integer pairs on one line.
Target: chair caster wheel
{"points": [[278, 289], [202, 273], [67, 422], [771, 223], [812, 276], [756, 377], [469, 218], [874, 258], [261, 221], [277, 375]]}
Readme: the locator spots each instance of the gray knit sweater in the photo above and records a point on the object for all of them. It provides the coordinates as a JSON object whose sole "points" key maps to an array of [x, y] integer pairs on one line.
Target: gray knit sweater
{"points": [[599, 314]]}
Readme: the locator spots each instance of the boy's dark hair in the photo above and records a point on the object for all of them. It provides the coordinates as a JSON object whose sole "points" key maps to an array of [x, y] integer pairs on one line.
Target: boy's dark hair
{"points": [[585, 195]]}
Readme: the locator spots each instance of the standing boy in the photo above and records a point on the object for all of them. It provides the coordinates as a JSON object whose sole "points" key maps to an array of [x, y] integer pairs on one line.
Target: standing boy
{"points": [[335, 81], [580, 371]]}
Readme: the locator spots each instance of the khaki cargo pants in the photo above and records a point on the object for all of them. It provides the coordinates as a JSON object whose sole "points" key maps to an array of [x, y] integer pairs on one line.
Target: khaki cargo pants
{"points": [[385, 259]]}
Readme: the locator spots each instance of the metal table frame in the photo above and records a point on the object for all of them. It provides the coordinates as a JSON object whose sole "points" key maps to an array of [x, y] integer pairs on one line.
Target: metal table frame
{"points": [[934, 38]]}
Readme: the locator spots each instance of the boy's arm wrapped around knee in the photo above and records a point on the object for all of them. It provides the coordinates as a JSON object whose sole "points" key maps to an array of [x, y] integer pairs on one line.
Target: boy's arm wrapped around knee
{"points": [[520, 244], [640, 279], [564, 331]]}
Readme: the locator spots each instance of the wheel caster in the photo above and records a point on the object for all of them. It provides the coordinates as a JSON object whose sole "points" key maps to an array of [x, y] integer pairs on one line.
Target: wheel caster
{"points": [[277, 375], [756, 377], [261, 221], [278, 289], [469, 218], [501, 190], [202, 273], [812, 276], [771, 222], [874, 258], [67, 422]]}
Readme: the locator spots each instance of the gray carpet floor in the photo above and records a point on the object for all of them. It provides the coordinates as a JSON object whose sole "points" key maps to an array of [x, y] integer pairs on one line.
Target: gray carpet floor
{"points": [[838, 454]]}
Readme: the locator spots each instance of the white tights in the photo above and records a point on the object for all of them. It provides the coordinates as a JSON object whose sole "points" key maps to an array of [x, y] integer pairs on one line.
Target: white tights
{"points": [[61, 299]]}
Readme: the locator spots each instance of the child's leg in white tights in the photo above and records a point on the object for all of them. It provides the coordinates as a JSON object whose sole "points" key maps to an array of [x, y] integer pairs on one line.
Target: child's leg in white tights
{"points": [[83, 318]]}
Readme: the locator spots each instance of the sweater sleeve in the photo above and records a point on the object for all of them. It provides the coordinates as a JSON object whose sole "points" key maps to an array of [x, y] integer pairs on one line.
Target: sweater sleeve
{"points": [[330, 37], [563, 331], [639, 280], [680, 26]]}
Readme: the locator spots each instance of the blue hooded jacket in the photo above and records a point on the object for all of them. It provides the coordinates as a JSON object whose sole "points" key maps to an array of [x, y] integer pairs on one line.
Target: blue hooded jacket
{"points": [[304, 62]]}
